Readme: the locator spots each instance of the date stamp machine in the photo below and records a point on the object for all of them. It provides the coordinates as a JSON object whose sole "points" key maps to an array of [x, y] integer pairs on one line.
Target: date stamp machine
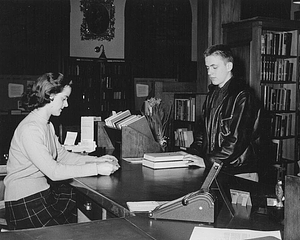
{"points": [[199, 206]]}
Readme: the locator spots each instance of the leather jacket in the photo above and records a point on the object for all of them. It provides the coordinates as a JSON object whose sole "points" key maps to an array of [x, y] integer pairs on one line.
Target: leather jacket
{"points": [[230, 132]]}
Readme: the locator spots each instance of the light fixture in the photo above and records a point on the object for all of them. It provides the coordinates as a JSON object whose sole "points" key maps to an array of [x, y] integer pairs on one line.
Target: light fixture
{"points": [[101, 49], [296, 1]]}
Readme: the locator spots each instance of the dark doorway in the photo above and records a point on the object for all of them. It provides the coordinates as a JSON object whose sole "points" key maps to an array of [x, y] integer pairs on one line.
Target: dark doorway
{"points": [[158, 39]]}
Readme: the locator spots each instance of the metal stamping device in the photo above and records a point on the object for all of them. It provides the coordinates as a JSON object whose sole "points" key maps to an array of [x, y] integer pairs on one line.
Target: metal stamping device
{"points": [[197, 206]]}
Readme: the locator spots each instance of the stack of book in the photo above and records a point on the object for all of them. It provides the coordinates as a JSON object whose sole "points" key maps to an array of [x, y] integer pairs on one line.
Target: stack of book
{"points": [[165, 160], [122, 118]]}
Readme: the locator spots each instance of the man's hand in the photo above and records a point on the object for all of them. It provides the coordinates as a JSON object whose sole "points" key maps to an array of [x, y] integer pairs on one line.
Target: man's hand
{"points": [[194, 160]]}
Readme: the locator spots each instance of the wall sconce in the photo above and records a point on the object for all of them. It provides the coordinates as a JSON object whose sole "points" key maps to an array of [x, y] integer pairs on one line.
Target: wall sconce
{"points": [[296, 1], [101, 50]]}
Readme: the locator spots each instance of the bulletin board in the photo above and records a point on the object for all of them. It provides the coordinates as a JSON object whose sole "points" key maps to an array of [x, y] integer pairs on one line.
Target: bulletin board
{"points": [[148, 87], [11, 87]]}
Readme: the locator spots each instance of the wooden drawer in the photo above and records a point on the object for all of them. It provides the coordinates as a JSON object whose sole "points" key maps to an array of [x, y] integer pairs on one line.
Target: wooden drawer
{"points": [[90, 208]]}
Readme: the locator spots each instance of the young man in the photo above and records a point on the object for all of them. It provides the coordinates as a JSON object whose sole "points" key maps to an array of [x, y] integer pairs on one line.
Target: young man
{"points": [[230, 115]]}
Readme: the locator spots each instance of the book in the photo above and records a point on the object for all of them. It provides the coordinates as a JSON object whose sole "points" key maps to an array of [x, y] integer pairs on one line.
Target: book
{"points": [[119, 117], [276, 150], [165, 156], [165, 164], [123, 121], [188, 138], [132, 120], [107, 120]]}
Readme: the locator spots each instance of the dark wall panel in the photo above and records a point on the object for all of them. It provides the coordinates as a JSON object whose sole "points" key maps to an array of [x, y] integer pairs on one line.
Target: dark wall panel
{"points": [[34, 35]]}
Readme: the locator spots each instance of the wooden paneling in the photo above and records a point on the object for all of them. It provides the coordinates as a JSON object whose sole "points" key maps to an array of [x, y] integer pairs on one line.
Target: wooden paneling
{"points": [[34, 35], [158, 39], [211, 16], [291, 208]]}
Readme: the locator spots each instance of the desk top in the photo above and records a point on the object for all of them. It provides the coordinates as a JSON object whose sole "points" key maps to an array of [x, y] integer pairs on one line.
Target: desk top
{"points": [[134, 182], [112, 229]]}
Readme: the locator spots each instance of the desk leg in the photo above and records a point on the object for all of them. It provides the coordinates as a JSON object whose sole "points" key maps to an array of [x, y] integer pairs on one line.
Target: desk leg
{"points": [[104, 214], [225, 198]]}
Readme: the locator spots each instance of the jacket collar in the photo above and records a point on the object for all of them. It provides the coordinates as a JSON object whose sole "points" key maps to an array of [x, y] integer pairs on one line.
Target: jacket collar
{"points": [[232, 86]]}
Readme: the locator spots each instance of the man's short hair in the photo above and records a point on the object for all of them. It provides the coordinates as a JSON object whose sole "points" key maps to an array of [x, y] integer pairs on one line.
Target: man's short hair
{"points": [[220, 50]]}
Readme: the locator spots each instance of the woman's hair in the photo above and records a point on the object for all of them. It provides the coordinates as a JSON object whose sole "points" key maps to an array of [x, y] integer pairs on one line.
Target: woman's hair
{"points": [[220, 50], [45, 86]]}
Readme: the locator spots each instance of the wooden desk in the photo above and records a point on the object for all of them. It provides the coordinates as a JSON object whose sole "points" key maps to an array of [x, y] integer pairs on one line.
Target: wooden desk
{"points": [[133, 182], [118, 228]]}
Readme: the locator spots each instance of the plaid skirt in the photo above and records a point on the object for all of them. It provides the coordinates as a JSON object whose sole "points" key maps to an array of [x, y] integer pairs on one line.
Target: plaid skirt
{"points": [[54, 206]]}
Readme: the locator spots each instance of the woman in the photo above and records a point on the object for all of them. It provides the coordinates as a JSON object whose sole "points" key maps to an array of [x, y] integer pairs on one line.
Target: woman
{"points": [[34, 196]]}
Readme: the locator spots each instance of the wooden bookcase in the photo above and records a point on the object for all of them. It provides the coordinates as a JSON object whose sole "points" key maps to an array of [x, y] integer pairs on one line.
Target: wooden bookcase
{"points": [[100, 86], [187, 117], [267, 53]]}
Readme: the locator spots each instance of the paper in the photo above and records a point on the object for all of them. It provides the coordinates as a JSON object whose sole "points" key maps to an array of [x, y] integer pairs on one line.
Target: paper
{"points": [[240, 197], [87, 128], [15, 90], [134, 160], [271, 202], [70, 138], [142, 90], [200, 233]]}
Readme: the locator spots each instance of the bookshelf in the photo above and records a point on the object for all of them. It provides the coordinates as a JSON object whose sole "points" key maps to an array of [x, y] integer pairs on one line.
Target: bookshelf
{"points": [[268, 54], [100, 86], [187, 117]]}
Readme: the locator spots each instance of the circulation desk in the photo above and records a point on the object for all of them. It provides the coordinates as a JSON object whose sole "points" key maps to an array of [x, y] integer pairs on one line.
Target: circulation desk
{"points": [[133, 182]]}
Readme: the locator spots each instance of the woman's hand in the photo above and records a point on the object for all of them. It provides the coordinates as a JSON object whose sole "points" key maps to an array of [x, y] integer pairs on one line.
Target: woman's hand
{"points": [[108, 158], [194, 160], [107, 168]]}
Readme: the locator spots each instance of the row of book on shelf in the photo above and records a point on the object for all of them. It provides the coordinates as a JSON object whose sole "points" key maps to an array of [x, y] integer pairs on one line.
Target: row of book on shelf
{"points": [[115, 67], [115, 95], [281, 125], [276, 69], [185, 109], [276, 99], [276, 43], [122, 118], [183, 138]]}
